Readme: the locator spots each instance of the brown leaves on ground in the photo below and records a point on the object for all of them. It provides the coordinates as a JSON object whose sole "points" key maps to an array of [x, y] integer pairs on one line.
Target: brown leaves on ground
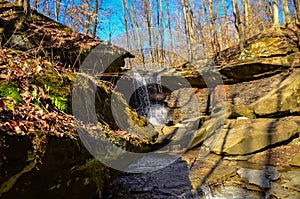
{"points": [[28, 118]]}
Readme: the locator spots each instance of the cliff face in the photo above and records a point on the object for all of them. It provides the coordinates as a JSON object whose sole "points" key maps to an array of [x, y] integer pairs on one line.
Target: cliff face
{"points": [[257, 122], [249, 125], [262, 123]]}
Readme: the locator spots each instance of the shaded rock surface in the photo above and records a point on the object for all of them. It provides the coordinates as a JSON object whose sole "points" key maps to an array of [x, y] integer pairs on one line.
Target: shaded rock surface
{"points": [[58, 175], [260, 178]]}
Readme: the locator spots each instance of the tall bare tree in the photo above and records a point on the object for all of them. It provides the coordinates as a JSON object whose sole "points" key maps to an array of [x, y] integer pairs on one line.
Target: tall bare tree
{"points": [[95, 17], [225, 23], [286, 12], [35, 3], [215, 43], [297, 8], [238, 24], [220, 37], [125, 23], [186, 27], [275, 14], [137, 30], [189, 25], [247, 18], [149, 32], [170, 30], [25, 4], [57, 5]]}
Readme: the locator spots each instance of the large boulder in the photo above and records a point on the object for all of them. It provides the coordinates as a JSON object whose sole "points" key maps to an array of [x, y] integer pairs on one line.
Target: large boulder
{"points": [[243, 137], [282, 100], [266, 54]]}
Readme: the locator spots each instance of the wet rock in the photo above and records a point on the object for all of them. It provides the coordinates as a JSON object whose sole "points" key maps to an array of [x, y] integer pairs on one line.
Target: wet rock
{"points": [[230, 192], [260, 178], [169, 182], [170, 123], [177, 131]]}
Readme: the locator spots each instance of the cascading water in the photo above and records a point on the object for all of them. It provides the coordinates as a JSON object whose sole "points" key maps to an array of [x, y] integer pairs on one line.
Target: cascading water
{"points": [[141, 95], [154, 111]]}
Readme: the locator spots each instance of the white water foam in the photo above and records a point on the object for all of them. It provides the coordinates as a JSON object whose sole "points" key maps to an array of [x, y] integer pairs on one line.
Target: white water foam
{"points": [[156, 113]]}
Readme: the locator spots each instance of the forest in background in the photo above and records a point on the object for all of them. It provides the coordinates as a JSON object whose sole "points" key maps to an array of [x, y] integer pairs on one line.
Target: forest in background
{"points": [[166, 31]]}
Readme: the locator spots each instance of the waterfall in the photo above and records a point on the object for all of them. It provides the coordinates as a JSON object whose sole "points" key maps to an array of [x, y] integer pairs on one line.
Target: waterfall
{"points": [[154, 111], [141, 96]]}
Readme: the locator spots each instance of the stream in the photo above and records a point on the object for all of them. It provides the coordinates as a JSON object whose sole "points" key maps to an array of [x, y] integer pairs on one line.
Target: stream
{"points": [[170, 180]]}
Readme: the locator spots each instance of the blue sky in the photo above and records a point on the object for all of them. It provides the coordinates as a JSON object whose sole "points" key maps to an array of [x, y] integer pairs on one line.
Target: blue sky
{"points": [[112, 24], [112, 20]]}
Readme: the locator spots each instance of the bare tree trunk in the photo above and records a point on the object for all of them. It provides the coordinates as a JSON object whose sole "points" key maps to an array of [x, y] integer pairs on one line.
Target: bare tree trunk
{"points": [[88, 13], [170, 31], [95, 16], [275, 14], [247, 19], [156, 35], [186, 27], [189, 25], [207, 28], [140, 44], [225, 24], [57, 4], [200, 26], [269, 9], [25, 4], [220, 36], [215, 43], [161, 32], [286, 12], [125, 23], [191, 20], [35, 2], [148, 21], [238, 24], [192, 29], [297, 8]]}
